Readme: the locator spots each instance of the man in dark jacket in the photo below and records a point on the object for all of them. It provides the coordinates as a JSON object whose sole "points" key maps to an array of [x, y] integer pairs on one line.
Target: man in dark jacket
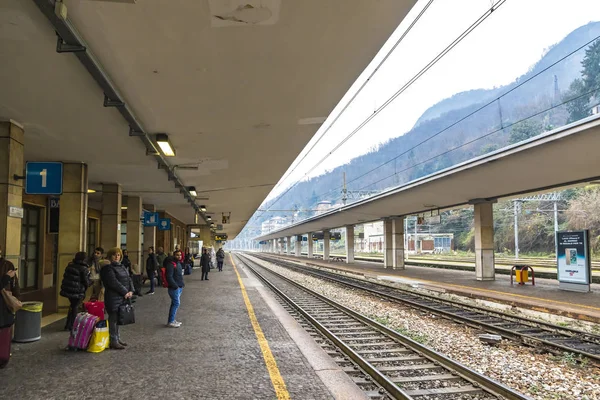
{"points": [[151, 268], [119, 288], [75, 283], [174, 275], [205, 264], [220, 258], [160, 257]]}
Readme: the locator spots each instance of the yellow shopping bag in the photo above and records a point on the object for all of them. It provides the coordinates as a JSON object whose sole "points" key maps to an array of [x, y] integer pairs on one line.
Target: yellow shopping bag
{"points": [[100, 338]]}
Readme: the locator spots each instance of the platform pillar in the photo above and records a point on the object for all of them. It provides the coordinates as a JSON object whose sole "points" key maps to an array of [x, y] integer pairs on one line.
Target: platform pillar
{"points": [[398, 242], [289, 245], [149, 233], [326, 243], [134, 233], [298, 245], [111, 216], [12, 139], [310, 243], [349, 244], [484, 241], [388, 255], [72, 220]]}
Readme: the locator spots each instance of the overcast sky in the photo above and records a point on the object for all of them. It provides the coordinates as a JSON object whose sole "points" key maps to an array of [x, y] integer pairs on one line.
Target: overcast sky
{"points": [[504, 47]]}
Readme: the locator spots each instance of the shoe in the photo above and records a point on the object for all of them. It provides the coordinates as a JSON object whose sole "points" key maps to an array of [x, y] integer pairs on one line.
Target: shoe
{"points": [[149, 293], [206, 278], [122, 343], [202, 279], [178, 323], [117, 346], [173, 325]]}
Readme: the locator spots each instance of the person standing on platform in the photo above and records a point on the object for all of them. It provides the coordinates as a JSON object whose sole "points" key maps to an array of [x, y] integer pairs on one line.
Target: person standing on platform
{"points": [[205, 264], [160, 257], [75, 283], [119, 288], [10, 282], [220, 258], [94, 264], [151, 268], [174, 276]]}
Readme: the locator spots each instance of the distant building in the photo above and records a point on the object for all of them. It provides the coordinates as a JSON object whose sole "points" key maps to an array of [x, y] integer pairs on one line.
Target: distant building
{"points": [[273, 224]]}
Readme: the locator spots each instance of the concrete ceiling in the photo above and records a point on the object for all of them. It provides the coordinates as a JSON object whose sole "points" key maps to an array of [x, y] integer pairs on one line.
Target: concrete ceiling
{"points": [[228, 82], [558, 158]]}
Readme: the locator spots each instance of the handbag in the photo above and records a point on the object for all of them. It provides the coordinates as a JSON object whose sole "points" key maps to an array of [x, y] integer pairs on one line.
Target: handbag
{"points": [[12, 303], [100, 338], [126, 314]]}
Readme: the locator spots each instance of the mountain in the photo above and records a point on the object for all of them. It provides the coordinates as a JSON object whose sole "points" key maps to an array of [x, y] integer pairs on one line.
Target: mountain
{"points": [[456, 129]]}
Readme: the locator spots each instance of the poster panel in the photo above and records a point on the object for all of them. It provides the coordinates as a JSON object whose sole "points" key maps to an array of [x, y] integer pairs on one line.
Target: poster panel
{"points": [[572, 257]]}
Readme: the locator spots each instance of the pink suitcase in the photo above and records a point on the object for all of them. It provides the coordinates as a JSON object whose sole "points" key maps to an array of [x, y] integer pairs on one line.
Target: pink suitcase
{"points": [[5, 339], [82, 331], [95, 308]]}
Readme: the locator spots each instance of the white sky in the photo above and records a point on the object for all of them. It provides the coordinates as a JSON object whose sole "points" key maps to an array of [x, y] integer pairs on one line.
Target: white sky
{"points": [[510, 41]]}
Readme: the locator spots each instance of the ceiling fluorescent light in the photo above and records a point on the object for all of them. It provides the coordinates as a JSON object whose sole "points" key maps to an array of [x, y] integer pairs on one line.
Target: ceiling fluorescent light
{"points": [[162, 139], [91, 191], [203, 208], [124, 208], [192, 191]]}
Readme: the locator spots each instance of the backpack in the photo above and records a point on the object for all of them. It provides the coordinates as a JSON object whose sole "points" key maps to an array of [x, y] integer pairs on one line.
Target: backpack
{"points": [[163, 274]]}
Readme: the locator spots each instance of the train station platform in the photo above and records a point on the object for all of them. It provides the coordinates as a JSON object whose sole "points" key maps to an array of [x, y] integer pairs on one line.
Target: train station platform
{"points": [[234, 344], [545, 296]]}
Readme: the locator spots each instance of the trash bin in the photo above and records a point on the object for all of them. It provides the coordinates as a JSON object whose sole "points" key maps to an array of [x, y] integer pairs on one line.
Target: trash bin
{"points": [[28, 322]]}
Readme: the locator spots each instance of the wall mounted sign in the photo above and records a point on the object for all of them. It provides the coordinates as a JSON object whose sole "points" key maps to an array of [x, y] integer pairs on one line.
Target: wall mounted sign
{"points": [[43, 178]]}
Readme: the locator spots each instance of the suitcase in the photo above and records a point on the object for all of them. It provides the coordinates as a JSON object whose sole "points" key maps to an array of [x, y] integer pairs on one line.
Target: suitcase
{"points": [[5, 340], [82, 331], [95, 308], [137, 284]]}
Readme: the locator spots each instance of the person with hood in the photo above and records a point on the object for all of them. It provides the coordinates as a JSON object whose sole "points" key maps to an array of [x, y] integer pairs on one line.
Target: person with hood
{"points": [[220, 258], [9, 282], [205, 264], [94, 263], [160, 257], [119, 289], [174, 276], [127, 262], [75, 283], [151, 268]]}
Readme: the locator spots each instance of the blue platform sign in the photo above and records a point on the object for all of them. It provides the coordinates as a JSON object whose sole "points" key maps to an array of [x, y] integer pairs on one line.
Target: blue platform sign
{"points": [[151, 218], [44, 178], [164, 224]]}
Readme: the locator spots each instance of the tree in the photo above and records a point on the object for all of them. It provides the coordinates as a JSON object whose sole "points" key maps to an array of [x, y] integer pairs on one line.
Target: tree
{"points": [[583, 214], [591, 67], [524, 130], [577, 105]]}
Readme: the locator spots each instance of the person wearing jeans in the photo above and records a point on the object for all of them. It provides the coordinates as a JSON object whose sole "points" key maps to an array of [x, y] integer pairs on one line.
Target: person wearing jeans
{"points": [[174, 274]]}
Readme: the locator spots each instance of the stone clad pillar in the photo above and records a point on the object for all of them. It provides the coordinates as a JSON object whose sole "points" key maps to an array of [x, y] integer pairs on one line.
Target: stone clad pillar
{"points": [[310, 244], [12, 139], [298, 245], [398, 242], [289, 245], [484, 241], [388, 255], [72, 220], [149, 235], [326, 243], [350, 244], [134, 233], [111, 216]]}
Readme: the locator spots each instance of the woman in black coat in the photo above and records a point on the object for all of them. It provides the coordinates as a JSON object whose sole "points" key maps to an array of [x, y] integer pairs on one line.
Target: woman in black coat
{"points": [[76, 280], [119, 288]]}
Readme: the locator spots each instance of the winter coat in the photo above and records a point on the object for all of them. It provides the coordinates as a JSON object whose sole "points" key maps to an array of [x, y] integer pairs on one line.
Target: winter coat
{"points": [[11, 284], [151, 263], [76, 280], [117, 284], [220, 255], [205, 262], [161, 257], [174, 273], [127, 263]]}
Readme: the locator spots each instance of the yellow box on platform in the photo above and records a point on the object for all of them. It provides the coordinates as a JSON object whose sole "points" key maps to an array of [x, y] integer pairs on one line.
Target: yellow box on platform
{"points": [[522, 275]]}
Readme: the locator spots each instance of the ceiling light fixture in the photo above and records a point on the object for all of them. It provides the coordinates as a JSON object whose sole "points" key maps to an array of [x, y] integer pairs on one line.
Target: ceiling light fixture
{"points": [[203, 208], [208, 217], [192, 191], [124, 208], [91, 191], [162, 139]]}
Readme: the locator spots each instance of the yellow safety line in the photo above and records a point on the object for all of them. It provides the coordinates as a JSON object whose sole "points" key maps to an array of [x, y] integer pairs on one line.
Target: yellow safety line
{"points": [[276, 378]]}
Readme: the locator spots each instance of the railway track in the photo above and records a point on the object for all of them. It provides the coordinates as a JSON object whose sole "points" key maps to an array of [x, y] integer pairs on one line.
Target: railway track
{"points": [[385, 364], [529, 331]]}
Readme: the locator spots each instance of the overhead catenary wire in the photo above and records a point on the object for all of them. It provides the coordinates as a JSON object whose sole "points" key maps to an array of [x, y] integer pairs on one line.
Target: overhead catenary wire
{"points": [[419, 74]]}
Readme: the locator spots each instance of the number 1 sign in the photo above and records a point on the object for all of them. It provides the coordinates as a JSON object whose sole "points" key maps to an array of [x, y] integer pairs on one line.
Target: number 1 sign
{"points": [[44, 178]]}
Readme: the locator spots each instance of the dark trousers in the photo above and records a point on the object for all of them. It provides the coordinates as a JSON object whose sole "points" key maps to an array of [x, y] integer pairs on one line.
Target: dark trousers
{"points": [[151, 274], [204, 274], [113, 328], [220, 265], [73, 310]]}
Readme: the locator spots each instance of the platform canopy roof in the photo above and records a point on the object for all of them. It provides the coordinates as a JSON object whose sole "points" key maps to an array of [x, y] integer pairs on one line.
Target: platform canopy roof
{"points": [[562, 157], [236, 84]]}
